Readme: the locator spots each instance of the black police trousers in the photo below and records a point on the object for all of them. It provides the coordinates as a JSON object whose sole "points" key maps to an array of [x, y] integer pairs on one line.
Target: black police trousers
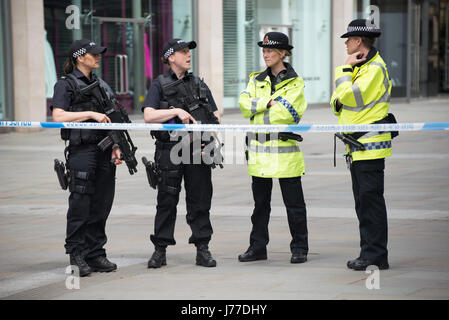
{"points": [[198, 188], [368, 189], [293, 197], [91, 201]]}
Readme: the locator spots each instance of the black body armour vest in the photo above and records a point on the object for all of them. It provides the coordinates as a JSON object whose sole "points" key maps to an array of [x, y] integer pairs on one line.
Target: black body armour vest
{"points": [[84, 102], [187, 95]]}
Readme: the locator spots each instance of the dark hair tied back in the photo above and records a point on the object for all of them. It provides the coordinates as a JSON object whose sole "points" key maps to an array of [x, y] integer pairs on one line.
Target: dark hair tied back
{"points": [[69, 65]]}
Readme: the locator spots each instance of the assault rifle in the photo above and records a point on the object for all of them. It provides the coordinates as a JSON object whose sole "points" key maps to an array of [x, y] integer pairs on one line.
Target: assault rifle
{"points": [[198, 106], [119, 138]]}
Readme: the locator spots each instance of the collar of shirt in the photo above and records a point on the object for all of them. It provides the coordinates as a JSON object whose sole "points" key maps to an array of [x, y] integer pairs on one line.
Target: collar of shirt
{"points": [[370, 55], [175, 77], [77, 73], [282, 76]]}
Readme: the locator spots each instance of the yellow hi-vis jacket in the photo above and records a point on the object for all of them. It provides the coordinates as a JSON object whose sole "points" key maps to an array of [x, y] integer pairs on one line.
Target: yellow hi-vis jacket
{"points": [[364, 92], [274, 158]]}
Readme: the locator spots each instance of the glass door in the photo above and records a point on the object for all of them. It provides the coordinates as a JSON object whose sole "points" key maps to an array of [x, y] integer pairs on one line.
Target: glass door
{"points": [[123, 65], [133, 31]]}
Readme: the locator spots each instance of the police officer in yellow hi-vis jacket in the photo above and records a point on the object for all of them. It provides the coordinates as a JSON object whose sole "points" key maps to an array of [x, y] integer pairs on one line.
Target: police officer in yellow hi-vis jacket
{"points": [[275, 96], [362, 96]]}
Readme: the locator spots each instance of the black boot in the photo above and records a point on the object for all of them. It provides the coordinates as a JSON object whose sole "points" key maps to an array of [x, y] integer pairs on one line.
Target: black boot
{"points": [[101, 264], [298, 257], [204, 257], [350, 263], [158, 258], [77, 260], [362, 264], [251, 255]]}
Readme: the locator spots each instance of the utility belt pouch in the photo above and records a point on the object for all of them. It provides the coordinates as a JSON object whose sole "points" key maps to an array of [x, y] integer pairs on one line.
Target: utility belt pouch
{"points": [[284, 136], [81, 182], [264, 137], [153, 172], [65, 134], [61, 173]]}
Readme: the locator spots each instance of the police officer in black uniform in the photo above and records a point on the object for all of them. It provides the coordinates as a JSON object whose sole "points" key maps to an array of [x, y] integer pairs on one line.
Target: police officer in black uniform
{"points": [[168, 99], [91, 173]]}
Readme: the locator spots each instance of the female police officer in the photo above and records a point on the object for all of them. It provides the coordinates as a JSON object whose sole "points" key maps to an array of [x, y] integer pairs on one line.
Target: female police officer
{"points": [[91, 173], [275, 96]]}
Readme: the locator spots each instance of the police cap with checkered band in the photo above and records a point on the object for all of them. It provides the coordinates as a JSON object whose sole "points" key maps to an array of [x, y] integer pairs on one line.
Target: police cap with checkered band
{"points": [[173, 45], [362, 28], [276, 40], [83, 46]]}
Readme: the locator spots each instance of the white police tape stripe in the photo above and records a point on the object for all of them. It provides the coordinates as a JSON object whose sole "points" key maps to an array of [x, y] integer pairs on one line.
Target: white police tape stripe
{"points": [[424, 126]]}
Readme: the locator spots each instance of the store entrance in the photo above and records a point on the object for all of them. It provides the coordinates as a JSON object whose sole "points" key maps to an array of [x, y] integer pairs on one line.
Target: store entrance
{"points": [[126, 65], [429, 48]]}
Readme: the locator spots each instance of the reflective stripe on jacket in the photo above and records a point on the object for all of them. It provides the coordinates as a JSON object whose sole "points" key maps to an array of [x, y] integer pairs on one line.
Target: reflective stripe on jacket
{"points": [[274, 158], [364, 93]]}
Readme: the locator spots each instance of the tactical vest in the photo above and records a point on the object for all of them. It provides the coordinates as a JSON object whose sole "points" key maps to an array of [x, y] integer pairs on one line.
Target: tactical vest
{"points": [[187, 95], [83, 102]]}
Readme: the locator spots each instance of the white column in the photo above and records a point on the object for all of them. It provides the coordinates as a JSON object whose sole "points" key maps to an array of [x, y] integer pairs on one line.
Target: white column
{"points": [[285, 7], [210, 47], [342, 15], [27, 18], [241, 43]]}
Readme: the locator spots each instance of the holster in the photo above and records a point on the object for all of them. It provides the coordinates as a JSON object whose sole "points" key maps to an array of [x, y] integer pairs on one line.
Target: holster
{"points": [[61, 173], [348, 139], [153, 172]]}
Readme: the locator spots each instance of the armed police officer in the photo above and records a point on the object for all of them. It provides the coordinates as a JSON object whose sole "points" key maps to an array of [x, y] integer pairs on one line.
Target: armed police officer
{"points": [[362, 96], [91, 172], [179, 96]]}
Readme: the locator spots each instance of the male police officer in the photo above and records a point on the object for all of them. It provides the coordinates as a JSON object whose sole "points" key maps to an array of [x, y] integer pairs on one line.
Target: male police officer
{"points": [[362, 96], [172, 97]]}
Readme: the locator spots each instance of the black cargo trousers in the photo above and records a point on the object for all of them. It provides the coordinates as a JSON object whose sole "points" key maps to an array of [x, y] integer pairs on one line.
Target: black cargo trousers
{"points": [[198, 188], [91, 195]]}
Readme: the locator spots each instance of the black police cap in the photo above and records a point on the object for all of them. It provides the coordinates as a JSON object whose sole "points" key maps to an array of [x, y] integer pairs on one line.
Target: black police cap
{"points": [[83, 46], [276, 40], [362, 28], [173, 45]]}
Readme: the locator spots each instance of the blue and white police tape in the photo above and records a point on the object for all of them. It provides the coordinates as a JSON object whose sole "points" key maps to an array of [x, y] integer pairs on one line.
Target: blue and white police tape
{"points": [[424, 126]]}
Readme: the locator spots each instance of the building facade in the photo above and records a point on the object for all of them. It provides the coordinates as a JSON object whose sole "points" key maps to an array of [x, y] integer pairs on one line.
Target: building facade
{"points": [[36, 34]]}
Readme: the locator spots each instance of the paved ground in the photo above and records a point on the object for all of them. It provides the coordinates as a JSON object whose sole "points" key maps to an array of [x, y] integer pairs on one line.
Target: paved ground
{"points": [[32, 224]]}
